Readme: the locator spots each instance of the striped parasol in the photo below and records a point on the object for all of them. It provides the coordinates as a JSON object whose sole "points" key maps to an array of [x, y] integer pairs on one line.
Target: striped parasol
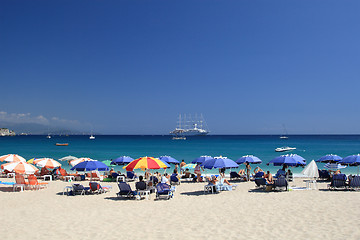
{"points": [[47, 162], [146, 163], [334, 166], [20, 167], [189, 165], [12, 158], [79, 160]]}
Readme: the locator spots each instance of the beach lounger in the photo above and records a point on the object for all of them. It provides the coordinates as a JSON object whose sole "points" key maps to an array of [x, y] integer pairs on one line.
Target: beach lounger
{"points": [[324, 175], [125, 190], [235, 175], [260, 182], [20, 182], [80, 189], [130, 176], [354, 183], [174, 180], [338, 182], [281, 183], [34, 184], [97, 188], [164, 191]]}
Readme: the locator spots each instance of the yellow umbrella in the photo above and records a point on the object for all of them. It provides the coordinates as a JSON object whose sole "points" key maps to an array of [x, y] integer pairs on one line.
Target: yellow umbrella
{"points": [[146, 163], [31, 160]]}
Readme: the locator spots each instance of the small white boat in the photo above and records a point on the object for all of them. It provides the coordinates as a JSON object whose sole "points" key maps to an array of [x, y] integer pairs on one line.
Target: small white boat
{"points": [[179, 138], [91, 137], [48, 136], [284, 149], [284, 137]]}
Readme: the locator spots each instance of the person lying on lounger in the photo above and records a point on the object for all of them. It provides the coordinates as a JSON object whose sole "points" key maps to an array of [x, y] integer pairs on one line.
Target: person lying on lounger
{"points": [[268, 177]]}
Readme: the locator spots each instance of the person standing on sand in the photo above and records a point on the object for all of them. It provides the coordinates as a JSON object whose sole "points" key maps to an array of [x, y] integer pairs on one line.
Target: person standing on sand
{"points": [[197, 171], [182, 164], [248, 168]]}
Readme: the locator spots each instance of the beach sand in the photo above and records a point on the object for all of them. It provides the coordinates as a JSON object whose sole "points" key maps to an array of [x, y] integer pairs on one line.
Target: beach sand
{"points": [[191, 214]]}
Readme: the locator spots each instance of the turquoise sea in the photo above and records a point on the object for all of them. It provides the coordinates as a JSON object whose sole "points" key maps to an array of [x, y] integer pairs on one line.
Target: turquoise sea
{"points": [[106, 147]]}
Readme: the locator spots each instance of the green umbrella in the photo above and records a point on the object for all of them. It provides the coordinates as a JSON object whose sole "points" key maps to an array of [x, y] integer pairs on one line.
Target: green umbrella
{"points": [[107, 163]]}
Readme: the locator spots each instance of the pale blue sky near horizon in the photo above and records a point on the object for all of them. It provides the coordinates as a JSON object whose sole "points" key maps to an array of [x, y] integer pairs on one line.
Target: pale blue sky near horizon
{"points": [[130, 67]]}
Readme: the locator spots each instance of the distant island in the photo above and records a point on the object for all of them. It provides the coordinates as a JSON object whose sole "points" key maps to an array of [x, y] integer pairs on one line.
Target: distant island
{"points": [[6, 132]]}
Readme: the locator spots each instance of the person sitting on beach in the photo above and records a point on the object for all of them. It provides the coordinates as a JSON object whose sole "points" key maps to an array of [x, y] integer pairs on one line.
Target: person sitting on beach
{"points": [[268, 177], [175, 173], [197, 171], [165, 179], [258, 169], [44, 171], [140, 185]]}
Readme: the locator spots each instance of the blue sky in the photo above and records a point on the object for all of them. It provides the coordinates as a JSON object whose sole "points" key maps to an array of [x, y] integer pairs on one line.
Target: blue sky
{"points": [[130, 67]]}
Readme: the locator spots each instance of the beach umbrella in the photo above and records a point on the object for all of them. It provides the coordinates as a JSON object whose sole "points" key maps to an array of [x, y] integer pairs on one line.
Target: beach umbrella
{"points": [[108, 163], [329, 158], [124, 160], [12, 158], [31, 161], [67, 158], [311, 170], [352, 160], [219, 162], [47, 162], [169, 160], [90, 165], [189, 166], [201, 159], [250, 159], [79, 160], [334, 166], [146, 163], [20, 167], [289, 160]]}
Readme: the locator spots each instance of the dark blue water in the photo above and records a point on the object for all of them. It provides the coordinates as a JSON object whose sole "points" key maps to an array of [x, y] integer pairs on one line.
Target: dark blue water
{"points": [[110, 147]]}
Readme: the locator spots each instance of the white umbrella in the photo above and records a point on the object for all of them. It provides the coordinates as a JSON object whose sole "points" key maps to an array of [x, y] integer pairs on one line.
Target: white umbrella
{"points": [[12, 158], [20, 167], [47, 162], [68, 158], [79, 160], [311, 170]]}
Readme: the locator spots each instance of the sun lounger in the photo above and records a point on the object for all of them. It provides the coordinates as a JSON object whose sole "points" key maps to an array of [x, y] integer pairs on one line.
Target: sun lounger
{"points": [[354, 183], [324, 175], [34, 184], [338, 182], [125, 190], [260, 182], [235, 175], [97, 188], [281, 183], [80, 189], [130, 176], [163, 191], [20, 182], [174, 180]]}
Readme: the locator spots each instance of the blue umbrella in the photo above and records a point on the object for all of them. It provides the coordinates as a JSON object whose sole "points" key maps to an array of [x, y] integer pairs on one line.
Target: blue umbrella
{"points": [[352, 160], [169, 159], [90, 166], [219, 162], [124, 160], [289, 159], [249, 159], [329, 158], [201, 159]]}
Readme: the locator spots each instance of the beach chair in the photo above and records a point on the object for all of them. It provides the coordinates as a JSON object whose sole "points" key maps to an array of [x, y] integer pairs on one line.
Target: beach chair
{"points": [[95, 175], [281, 183], [163, 191], [97, 188], [125, 190], [174, 180], [34, 184], [259, 175], [235, 175], [130, 176], [20, 182], [224, 186], [354, 183], [80, 189], [260, 183], [338, 182], [324, 175]]}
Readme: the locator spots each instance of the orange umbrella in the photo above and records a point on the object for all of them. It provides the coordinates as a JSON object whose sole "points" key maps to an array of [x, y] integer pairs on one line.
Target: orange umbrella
{"points": [[47, 162], [12, 158], [20, 167]]}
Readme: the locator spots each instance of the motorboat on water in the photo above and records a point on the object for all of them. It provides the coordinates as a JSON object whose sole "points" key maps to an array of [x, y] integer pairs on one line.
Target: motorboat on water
{"points": [[284, 149], [284, 137], [48, 136], [91, 137], [179, 138], [62, 144]]}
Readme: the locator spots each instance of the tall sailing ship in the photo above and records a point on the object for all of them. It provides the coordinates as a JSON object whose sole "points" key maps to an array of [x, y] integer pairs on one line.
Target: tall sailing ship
{"points": [[188, 125]]}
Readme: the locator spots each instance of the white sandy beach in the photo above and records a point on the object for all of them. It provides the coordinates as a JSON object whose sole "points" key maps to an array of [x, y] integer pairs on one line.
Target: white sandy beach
{"points": [[239, 214]]}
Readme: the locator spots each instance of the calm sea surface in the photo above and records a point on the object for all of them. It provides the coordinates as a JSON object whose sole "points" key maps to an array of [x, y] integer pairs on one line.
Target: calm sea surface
{"points": [[110, 147]]}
